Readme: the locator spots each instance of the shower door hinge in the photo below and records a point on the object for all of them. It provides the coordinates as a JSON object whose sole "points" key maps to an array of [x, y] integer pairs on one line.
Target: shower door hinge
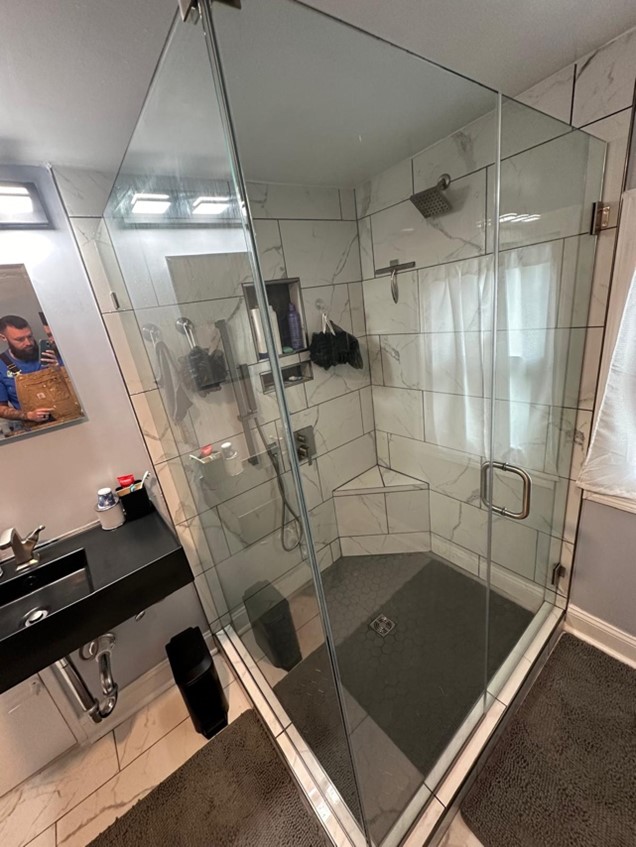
{"points": [[600, 217], [558, 572]]}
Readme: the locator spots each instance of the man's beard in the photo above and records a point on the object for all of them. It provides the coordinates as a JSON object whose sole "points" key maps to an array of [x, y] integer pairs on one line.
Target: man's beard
{"points": [[29, 355]]}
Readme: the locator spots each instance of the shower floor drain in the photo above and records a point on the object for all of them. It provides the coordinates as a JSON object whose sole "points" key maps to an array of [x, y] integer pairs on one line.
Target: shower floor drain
{"points": [[382, 625]]}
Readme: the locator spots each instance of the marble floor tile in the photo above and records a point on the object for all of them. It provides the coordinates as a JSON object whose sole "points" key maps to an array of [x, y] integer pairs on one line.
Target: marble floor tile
{"points": [[148, 725], [115, 797], [163, 714], [29, 809], [45, 839], [459, 835]]}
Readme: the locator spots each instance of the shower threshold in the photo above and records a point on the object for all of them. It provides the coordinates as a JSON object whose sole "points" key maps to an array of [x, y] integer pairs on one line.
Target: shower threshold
{"points": [[404, 738]]}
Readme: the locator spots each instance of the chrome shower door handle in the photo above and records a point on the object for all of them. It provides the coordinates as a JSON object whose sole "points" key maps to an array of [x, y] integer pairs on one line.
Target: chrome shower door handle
{"points": [[527, 490]]}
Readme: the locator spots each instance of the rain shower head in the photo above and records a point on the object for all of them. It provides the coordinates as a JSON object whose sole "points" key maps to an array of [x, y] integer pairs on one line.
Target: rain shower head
{"points": [[431, 202]]}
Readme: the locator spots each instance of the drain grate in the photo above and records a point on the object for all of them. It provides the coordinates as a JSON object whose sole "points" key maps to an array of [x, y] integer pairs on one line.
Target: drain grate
{"points": [[382, 625]]}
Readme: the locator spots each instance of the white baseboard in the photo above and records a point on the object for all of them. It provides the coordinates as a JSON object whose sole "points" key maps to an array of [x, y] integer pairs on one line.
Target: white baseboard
{"points": [[611, 640]]}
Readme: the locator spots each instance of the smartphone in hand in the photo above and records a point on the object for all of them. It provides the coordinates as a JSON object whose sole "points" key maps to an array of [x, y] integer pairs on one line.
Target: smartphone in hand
{"points": [[46, 347]]}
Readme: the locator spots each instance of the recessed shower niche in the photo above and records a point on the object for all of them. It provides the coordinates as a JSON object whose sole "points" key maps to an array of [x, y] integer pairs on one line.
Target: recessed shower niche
{"points": [[281, 295]]}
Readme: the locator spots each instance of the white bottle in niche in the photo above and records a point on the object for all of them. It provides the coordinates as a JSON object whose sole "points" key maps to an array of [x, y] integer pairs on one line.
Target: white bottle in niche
{"points": [[232, 461], [275, 328]]}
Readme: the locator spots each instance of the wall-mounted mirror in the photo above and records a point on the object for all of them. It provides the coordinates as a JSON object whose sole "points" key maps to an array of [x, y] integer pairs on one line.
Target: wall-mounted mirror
{"points": [[36, 392]]}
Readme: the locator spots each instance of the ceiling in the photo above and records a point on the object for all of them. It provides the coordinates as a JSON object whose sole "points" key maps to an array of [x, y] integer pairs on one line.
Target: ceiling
{"points": [[74, 74]]}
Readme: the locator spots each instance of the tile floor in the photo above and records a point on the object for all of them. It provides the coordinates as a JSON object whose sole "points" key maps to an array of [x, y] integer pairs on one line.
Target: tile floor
{"points": [[79, 795], [459, 835]]}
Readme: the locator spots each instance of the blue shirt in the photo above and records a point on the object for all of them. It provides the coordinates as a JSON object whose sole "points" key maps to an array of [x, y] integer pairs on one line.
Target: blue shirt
{"points": [[8, 393]]}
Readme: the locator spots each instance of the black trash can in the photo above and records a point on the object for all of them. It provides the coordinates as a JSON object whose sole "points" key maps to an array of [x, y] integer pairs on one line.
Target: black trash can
{"points": [[198, 681], [272, 625]]}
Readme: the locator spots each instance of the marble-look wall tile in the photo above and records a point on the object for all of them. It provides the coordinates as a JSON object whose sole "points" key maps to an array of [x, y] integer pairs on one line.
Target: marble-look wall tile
{"points": [[603, 259], [386, 189], [176, 489], [403, 360], [321, 252], [474, 146], [264, 560], [513, 544], [460, 523], [361, 514], [463, 152], [335, 422], [36, 804], [208, 276], [356, 303], [84, 192], [346, 462], [446, 471], [332, 299], [309, 202], [338, 380], [569, 437], [402, 233], [382, 448], [614, 130], [210, 593], [366, 406], [377, 545], [252, 515], [605, 80], [367, 264], [588, 369], [577, 273], [382, 314], [155, 426], [375, 359], [130, 351], [270, 249], [398, 410], [408, 511], [101, 264], [553, 95], [459, 556], [324, 527], [548, 184]]}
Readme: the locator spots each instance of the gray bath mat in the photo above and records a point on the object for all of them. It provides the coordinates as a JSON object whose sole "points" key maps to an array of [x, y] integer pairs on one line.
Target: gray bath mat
{"points": [[564, 772], [235, 792]]}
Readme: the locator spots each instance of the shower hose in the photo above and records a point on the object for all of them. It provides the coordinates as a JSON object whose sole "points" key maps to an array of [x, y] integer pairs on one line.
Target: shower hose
{"points": [[287, 507]]}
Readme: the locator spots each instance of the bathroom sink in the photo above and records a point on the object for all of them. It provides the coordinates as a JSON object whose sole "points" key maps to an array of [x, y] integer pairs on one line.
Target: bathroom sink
{"points": [[30, 597]]}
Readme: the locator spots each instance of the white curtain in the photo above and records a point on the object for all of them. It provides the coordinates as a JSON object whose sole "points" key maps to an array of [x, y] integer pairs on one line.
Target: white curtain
{"points": [[609, 469]]}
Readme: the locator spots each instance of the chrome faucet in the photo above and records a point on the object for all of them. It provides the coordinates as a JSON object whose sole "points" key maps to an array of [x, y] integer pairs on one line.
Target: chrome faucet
{"points": [[23, 548]]}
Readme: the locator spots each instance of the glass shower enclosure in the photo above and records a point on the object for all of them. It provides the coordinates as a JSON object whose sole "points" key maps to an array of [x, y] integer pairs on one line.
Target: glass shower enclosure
{"points": [[381, 538]]}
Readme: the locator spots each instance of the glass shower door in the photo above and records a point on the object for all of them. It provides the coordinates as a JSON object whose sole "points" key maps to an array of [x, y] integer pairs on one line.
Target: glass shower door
{"points": [[550, 177], [342, 142]]}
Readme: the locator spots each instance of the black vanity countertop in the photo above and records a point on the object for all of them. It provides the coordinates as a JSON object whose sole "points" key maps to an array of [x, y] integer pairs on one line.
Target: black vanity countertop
{"points": [[131, 568]]}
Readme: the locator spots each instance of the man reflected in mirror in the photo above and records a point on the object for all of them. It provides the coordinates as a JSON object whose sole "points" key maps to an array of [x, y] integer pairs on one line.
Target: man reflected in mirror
{"points": [[22, 356]]}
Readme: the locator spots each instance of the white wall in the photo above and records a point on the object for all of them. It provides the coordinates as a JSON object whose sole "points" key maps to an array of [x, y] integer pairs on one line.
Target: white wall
{"points": [[52, 478]]}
